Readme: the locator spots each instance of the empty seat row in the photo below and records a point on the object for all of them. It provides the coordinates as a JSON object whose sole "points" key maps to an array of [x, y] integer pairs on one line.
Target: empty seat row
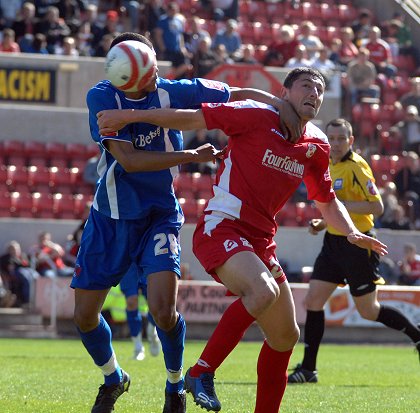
{"points": [[38, 205], [16, 152]]}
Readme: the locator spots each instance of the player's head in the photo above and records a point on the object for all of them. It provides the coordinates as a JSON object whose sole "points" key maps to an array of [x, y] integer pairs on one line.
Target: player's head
{"points": [[151, 86], [304, 89], [340, 137]]}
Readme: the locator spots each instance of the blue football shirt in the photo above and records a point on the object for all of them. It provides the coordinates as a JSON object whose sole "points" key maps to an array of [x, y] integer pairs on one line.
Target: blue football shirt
{"points": [[123, 195]]}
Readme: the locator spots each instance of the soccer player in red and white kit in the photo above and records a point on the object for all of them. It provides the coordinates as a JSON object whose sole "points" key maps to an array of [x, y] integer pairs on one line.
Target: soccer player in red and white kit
{"points": [[234, 238]]}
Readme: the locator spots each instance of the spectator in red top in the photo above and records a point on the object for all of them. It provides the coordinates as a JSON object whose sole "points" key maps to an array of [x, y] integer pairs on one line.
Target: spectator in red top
{"points": [[410, 266], [348, 50], [8, 44], [380, 53], [48, 257], [280, 51]]}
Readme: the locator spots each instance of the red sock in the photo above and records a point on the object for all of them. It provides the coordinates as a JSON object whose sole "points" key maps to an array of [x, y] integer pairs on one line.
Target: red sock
{"points": [[272, 379], [229, 331]]}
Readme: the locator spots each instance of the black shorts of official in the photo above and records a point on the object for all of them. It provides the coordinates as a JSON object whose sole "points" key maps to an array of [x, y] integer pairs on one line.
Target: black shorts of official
{"points": [[340, 262]]}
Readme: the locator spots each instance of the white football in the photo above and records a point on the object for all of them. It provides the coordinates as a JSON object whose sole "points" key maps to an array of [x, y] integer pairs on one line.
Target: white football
{"points": [[129, 65]]}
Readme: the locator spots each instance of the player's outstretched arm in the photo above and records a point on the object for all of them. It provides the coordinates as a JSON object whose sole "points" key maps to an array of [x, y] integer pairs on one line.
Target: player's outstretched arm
{"points": [[112, 120], [133, 160], [336, 215], [290, 122]]}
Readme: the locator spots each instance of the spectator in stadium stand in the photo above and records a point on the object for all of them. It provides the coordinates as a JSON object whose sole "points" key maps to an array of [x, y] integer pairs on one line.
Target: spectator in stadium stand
{"points": [[247, 55], [200, 137], [388, 270], [390, 201], [300, 59], [410, 266], [412, 97], [234, 238], [144, 182], [26, 21], [8, 43], [8, 11], [362, 26], [104, 45], [84, 39], [361, 77], [398, 220], [409, 129], [90, 18], [280, 50], [111, 27], [68, 47], [398, 35], [169, 36], [16, 266], [39, 44], [154, 10], [224, 9], [339, 262], [194, 34], [204, 59], [7, 297], [54, 28], [229, 37], [335, 47], [407, 180], [380, 53], [311, 41], [348, 50], [222, 55], [48, 257], [324, 64]]}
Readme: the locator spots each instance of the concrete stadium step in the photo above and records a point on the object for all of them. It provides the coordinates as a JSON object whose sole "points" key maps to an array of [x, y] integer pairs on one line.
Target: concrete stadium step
{"points": [[17, 322]]}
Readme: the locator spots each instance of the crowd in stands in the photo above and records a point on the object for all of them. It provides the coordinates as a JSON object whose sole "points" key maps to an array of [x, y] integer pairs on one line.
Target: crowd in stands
{"points": [[378, 62]]}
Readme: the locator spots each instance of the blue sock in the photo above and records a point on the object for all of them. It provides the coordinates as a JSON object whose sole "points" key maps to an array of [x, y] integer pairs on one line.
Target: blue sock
{"points": [[173, 352], [134, 322], [99, 346]]}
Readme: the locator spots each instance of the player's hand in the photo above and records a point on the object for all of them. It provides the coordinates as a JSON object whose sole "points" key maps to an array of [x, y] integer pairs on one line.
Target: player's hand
{"points": [[208, 152], [290, 122], [110, 121], [316, 225], [366, 242]]}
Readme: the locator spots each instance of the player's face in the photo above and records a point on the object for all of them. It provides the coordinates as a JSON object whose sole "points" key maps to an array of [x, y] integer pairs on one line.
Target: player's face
{"points": [[340, 141], [306, 96]]}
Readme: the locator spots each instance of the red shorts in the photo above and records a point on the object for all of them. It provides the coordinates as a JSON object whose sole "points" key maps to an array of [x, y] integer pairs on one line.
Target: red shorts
{"points": [[216, 239]]}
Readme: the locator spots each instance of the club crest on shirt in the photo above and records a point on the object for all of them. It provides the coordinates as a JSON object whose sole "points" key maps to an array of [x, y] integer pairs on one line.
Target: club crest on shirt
{"points": [[338, 184], [371, 187], [230, 245], [311, 150]]}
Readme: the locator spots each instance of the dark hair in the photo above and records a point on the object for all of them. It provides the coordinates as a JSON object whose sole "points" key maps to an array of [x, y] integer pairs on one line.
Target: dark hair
{"points": [[131, 36], [294, 74], [341, 122]]}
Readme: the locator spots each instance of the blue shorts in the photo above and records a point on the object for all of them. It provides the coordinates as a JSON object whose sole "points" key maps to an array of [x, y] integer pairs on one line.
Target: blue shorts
{"points": [[131, 283], [110, 246]]}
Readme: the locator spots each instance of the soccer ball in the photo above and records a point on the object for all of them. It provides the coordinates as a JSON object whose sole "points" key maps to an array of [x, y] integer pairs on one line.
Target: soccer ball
{"points": [[129, 65]]}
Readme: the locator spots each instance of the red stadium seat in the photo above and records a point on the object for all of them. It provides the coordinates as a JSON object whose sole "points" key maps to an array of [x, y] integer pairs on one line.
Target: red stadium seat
{"points": [[21, 205], [202, 183], [190, 209], [35, 149], [17, 177], [13, 147], [77, 151], [5, 204], [183, 185], [64, 206], [39, 176], [43, 205]]}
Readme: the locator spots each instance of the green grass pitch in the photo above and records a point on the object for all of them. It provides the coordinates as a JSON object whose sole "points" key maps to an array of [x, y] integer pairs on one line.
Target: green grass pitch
{"points": [[57, 376]]}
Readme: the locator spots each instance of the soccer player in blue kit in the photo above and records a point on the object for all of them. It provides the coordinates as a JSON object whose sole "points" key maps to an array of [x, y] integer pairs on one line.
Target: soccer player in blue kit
{"points": [[136, 218]]}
